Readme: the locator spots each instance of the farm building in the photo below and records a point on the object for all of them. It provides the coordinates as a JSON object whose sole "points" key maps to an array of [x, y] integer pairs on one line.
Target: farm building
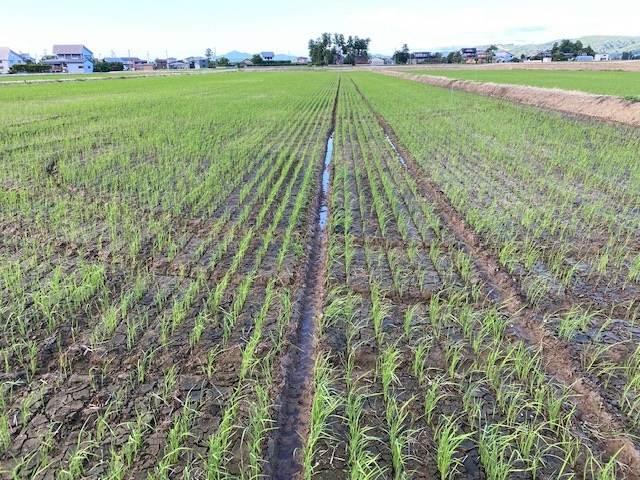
{"points": [[584, 58], [601, 57], [71, 59], [9, 58]]}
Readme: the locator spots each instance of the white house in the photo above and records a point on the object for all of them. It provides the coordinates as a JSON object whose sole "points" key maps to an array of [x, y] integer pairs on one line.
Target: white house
{"points": [[502, 56], [197, 62], [71, 59], [8, 58], [376, 62], [601, 57]]}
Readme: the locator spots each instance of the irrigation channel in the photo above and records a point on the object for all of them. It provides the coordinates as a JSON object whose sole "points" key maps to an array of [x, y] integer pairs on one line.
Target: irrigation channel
{"points": [[297, 394]]}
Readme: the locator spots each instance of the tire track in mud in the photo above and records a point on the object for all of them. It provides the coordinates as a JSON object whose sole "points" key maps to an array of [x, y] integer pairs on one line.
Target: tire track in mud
{"points": [[296, 394], [591, 406]]}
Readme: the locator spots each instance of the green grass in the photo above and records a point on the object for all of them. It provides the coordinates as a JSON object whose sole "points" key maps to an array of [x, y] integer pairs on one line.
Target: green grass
{"points": [[65, 77], [620, 84]]}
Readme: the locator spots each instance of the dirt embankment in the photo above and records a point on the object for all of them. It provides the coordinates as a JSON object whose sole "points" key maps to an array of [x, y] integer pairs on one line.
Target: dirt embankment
{"points": [[608, 66], [598, 107]]}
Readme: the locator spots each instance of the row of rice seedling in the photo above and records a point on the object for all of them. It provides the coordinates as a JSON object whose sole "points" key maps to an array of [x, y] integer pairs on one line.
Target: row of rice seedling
{"points": [[425, 383], [162, 355], [554, 199]]}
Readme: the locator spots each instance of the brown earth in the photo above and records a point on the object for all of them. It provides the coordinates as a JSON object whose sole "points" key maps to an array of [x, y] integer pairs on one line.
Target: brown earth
{"points": [[612, 66]]}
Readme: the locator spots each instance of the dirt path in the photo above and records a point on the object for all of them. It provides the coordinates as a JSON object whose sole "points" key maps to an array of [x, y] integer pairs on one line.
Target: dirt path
{"points": [[591, 407], [296, 396], [598, 107]]}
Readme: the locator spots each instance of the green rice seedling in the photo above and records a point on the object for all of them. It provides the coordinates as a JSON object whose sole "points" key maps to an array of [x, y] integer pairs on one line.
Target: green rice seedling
{"points": [[599, 470], [177, 437], [5, 433], [433, 394], [408, 321], [389, 362], [594, 361], [76, 463], [449, 440], [453, 356], [573, 322], [379, 311], [141, 365], [362, 463], [169, 382], [463, 263], [259, 426], [420, 357], [496, 452], [217, 452], [199, 326], [400, 437], [324, 404]]}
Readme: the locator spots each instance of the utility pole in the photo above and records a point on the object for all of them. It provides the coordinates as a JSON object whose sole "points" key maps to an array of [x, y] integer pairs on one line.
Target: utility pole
{"points": [[215, 57]]}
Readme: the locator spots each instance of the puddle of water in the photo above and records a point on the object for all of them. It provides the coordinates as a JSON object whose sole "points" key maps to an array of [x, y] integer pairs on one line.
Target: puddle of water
{"points": [[396, 150], [325, 184]]}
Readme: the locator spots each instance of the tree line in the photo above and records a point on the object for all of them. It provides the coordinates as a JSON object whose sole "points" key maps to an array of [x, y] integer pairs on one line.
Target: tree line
{"points": [[334, 49]]}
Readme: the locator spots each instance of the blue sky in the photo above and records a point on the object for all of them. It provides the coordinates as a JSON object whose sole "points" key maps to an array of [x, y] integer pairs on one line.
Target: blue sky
{"points": [[188, 27]]}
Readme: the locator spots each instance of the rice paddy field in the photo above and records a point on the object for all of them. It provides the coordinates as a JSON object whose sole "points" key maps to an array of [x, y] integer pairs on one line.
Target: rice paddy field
{"points": [[318, 275], [616, 83]]}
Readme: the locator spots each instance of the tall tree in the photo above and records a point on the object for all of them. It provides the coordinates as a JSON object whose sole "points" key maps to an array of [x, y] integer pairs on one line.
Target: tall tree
{"points": [[328, 49], [402, 56]]}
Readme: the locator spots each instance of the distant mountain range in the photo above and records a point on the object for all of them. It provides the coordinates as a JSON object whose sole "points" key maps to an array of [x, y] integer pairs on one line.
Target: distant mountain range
{"points": [[236, 56], [611, 44]]}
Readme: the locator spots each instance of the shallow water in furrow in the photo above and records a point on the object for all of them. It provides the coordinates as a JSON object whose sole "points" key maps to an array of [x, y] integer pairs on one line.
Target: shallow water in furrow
{"points": [[298, 390]]}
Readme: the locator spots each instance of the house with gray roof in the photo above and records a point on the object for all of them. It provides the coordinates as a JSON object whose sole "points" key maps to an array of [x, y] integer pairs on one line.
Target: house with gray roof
{"points": [[8, 58], [71, 59]]}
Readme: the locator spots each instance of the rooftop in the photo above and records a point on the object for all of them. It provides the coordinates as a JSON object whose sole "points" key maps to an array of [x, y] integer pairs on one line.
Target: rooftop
{"points": [[69, 49]]}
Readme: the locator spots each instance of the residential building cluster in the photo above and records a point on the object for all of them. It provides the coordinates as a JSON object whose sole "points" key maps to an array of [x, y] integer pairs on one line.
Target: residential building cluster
{"points": [[79, 59]]}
